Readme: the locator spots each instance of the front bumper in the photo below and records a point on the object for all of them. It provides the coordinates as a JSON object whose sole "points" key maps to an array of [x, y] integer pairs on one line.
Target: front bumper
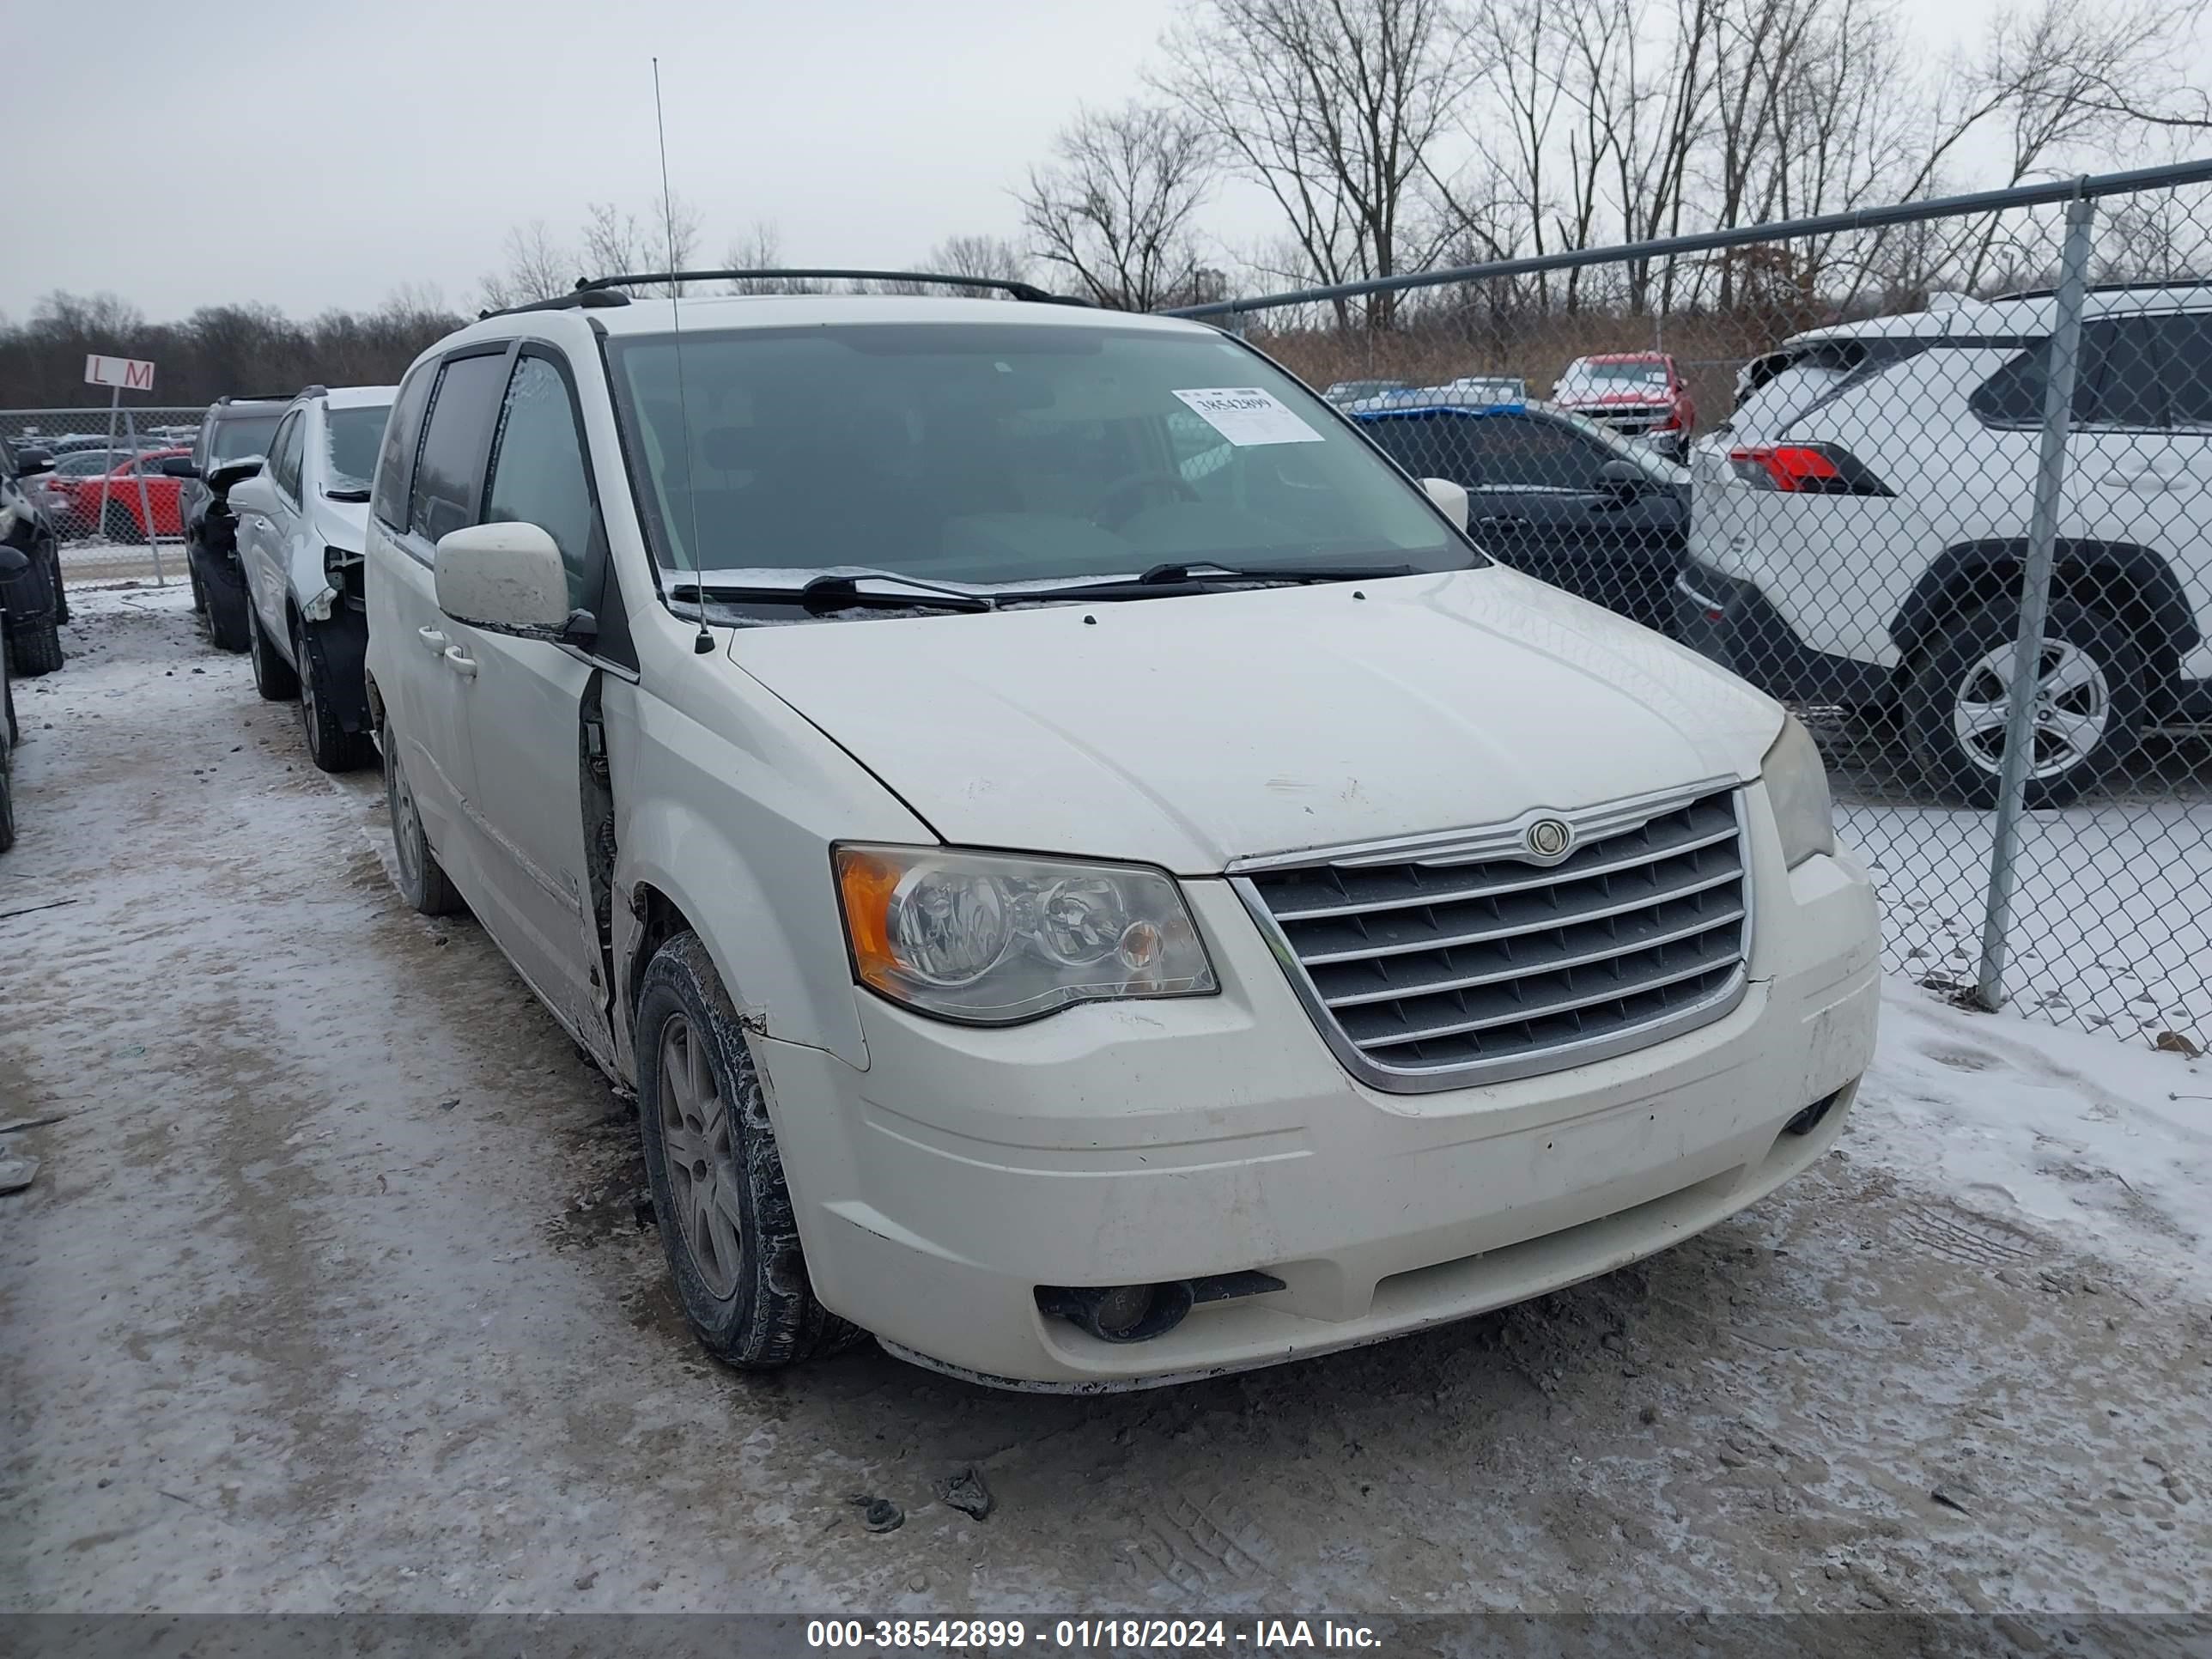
{"points": [[1129, 1143]]}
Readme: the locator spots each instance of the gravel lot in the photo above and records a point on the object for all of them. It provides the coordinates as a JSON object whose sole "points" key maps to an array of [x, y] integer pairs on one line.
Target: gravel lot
{"points": [[332, 1295]]}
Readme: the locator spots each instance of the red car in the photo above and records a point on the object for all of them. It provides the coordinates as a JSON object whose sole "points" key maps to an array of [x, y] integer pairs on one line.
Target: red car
{"points": [[123, 518], [1639, 394]]}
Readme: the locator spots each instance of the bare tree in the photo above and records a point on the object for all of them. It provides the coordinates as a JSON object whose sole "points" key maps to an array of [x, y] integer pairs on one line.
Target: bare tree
{"points": [[760, 248], [537, 268], [1113, 208], [992, 256], [1335, 108]]}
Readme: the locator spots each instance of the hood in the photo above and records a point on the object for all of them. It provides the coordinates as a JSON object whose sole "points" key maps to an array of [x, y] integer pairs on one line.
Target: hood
{"points": [[343, 523], [1188, 733], [1658, 394]]}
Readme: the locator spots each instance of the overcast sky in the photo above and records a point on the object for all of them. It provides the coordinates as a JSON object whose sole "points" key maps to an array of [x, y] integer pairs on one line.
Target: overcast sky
{"points": [[312, 154]]}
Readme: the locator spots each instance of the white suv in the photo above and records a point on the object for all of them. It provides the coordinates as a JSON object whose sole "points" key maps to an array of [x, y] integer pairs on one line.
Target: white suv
{"points": [[300, 523], [1084, 918], [1858, 528]]}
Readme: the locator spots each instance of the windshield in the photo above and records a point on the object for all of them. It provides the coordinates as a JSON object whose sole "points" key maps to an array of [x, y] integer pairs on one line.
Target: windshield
{"points": [[244, 434], [995, 455], [1612, 377], [352, 437]]}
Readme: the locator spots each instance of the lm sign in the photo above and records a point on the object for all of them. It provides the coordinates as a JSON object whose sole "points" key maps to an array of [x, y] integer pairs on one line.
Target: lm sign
{"points": [[127, 374]]}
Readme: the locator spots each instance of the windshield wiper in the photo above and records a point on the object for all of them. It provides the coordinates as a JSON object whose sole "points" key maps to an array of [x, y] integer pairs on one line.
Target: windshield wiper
{"points": [[1202, 575], [1206, 570], [821, 595]]}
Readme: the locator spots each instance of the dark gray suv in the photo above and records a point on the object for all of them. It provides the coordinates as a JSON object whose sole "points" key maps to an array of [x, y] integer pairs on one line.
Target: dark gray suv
{"points": [[233, 429]]}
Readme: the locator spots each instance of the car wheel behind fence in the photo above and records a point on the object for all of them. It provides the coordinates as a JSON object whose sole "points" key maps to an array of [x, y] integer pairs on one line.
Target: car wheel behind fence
{"points": [[119, 524], [272, 676], [2089, 703]]}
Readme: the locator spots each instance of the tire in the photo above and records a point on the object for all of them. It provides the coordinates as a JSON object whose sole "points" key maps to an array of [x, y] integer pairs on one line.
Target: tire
{"points": [[227, 624], [730, 1234], [330, 745], [7, 809], [2090, 707], [273, 677], [422, 884], [33, 648], [119, 524], [199, 591]]}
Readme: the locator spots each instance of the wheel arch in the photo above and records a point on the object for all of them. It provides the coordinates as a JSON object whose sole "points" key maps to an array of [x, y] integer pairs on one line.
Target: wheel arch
{"points": [[2134, 584]]}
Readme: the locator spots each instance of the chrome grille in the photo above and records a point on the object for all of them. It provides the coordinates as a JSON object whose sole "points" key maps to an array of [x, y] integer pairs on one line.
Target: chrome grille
{"points": [[1444, 966]]}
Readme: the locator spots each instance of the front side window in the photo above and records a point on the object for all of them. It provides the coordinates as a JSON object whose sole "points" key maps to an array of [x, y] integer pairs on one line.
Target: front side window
{"points": [[539, 471], [1520, 452], [395, 461], [350, 441], [284, 448], [447, 474], [996, 454]]}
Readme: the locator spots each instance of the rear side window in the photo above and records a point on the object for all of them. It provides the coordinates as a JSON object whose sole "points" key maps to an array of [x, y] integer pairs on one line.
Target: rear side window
{"points": [[448, 473], [2116, 384], [395, 463], [2184, 345]]}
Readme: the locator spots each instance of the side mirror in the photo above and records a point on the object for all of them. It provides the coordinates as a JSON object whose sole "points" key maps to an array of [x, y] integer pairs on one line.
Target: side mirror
{"points": [[179, 466], [29, 461], [507, 578], [222, 476], [1619, 481], [1449, 498]]}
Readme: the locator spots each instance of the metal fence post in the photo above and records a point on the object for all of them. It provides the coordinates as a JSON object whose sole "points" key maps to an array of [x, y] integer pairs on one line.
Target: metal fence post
{"points": [[2034, 600]]}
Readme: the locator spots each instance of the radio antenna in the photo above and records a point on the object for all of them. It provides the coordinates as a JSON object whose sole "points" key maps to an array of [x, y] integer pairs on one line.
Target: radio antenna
{"points": [[703, 642]]}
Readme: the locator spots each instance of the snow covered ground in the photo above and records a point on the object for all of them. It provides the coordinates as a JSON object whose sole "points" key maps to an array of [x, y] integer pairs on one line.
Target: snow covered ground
{"points": [[331, 1296]]}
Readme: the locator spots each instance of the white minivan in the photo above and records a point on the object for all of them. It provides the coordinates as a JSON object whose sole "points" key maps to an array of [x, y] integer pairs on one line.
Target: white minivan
{"points": [[1093, 878]]}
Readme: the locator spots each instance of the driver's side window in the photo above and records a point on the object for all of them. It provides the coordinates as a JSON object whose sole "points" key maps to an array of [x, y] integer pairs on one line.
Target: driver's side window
{"points": [[540, 476]]}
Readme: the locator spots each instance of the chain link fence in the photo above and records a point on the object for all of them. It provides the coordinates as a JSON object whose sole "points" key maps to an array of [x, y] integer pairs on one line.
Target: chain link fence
{"points": [[1939, 476], [116, 510]]}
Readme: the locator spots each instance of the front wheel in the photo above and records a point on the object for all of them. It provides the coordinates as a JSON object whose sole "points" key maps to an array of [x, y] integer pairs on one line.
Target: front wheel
{"points": [[330, 745], [273, 677], [717, 1177], [2089, 703]]}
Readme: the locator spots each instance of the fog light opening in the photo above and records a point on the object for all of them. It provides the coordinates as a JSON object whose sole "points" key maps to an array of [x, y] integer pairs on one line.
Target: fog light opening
{"points": [[1809, 1120], [1121, 1313]]}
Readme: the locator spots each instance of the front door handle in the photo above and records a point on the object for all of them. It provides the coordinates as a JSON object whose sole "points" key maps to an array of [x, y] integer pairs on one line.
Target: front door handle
{"points": [[431, 638], [1505, 521], [464, 666]]}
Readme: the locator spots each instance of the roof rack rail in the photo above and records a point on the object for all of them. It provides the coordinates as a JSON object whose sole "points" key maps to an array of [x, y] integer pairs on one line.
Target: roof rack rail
{"points": [[2107, 288], [583, 293], [256, 398], [1006, 285]]}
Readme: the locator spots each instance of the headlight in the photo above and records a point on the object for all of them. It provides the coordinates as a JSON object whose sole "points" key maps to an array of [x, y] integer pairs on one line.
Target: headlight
{"points": [[991, 938], [1797, 789]]}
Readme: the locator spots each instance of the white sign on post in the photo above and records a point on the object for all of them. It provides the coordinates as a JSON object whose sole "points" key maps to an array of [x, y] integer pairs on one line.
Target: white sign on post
{"points": [[124, 373]]}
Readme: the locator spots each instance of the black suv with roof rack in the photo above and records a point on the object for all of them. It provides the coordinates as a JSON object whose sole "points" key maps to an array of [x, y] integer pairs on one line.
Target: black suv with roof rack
{"points": [[236, 429]]}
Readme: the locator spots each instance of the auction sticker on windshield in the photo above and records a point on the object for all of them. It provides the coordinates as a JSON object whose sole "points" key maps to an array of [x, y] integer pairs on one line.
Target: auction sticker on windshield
{"points": [[1247, 416]]}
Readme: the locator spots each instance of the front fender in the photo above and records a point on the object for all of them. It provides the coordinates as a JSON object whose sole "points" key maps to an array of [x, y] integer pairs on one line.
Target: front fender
{"points": [[735, 833]]}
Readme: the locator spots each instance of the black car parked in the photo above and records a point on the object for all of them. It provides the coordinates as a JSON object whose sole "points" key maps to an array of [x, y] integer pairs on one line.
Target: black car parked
{"points": [[233, 429], [1556, 496], [31, 593]]}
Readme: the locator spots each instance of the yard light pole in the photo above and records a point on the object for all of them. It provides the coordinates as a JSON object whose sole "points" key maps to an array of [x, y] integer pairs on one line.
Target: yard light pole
{"points": [[2034, 599]]}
